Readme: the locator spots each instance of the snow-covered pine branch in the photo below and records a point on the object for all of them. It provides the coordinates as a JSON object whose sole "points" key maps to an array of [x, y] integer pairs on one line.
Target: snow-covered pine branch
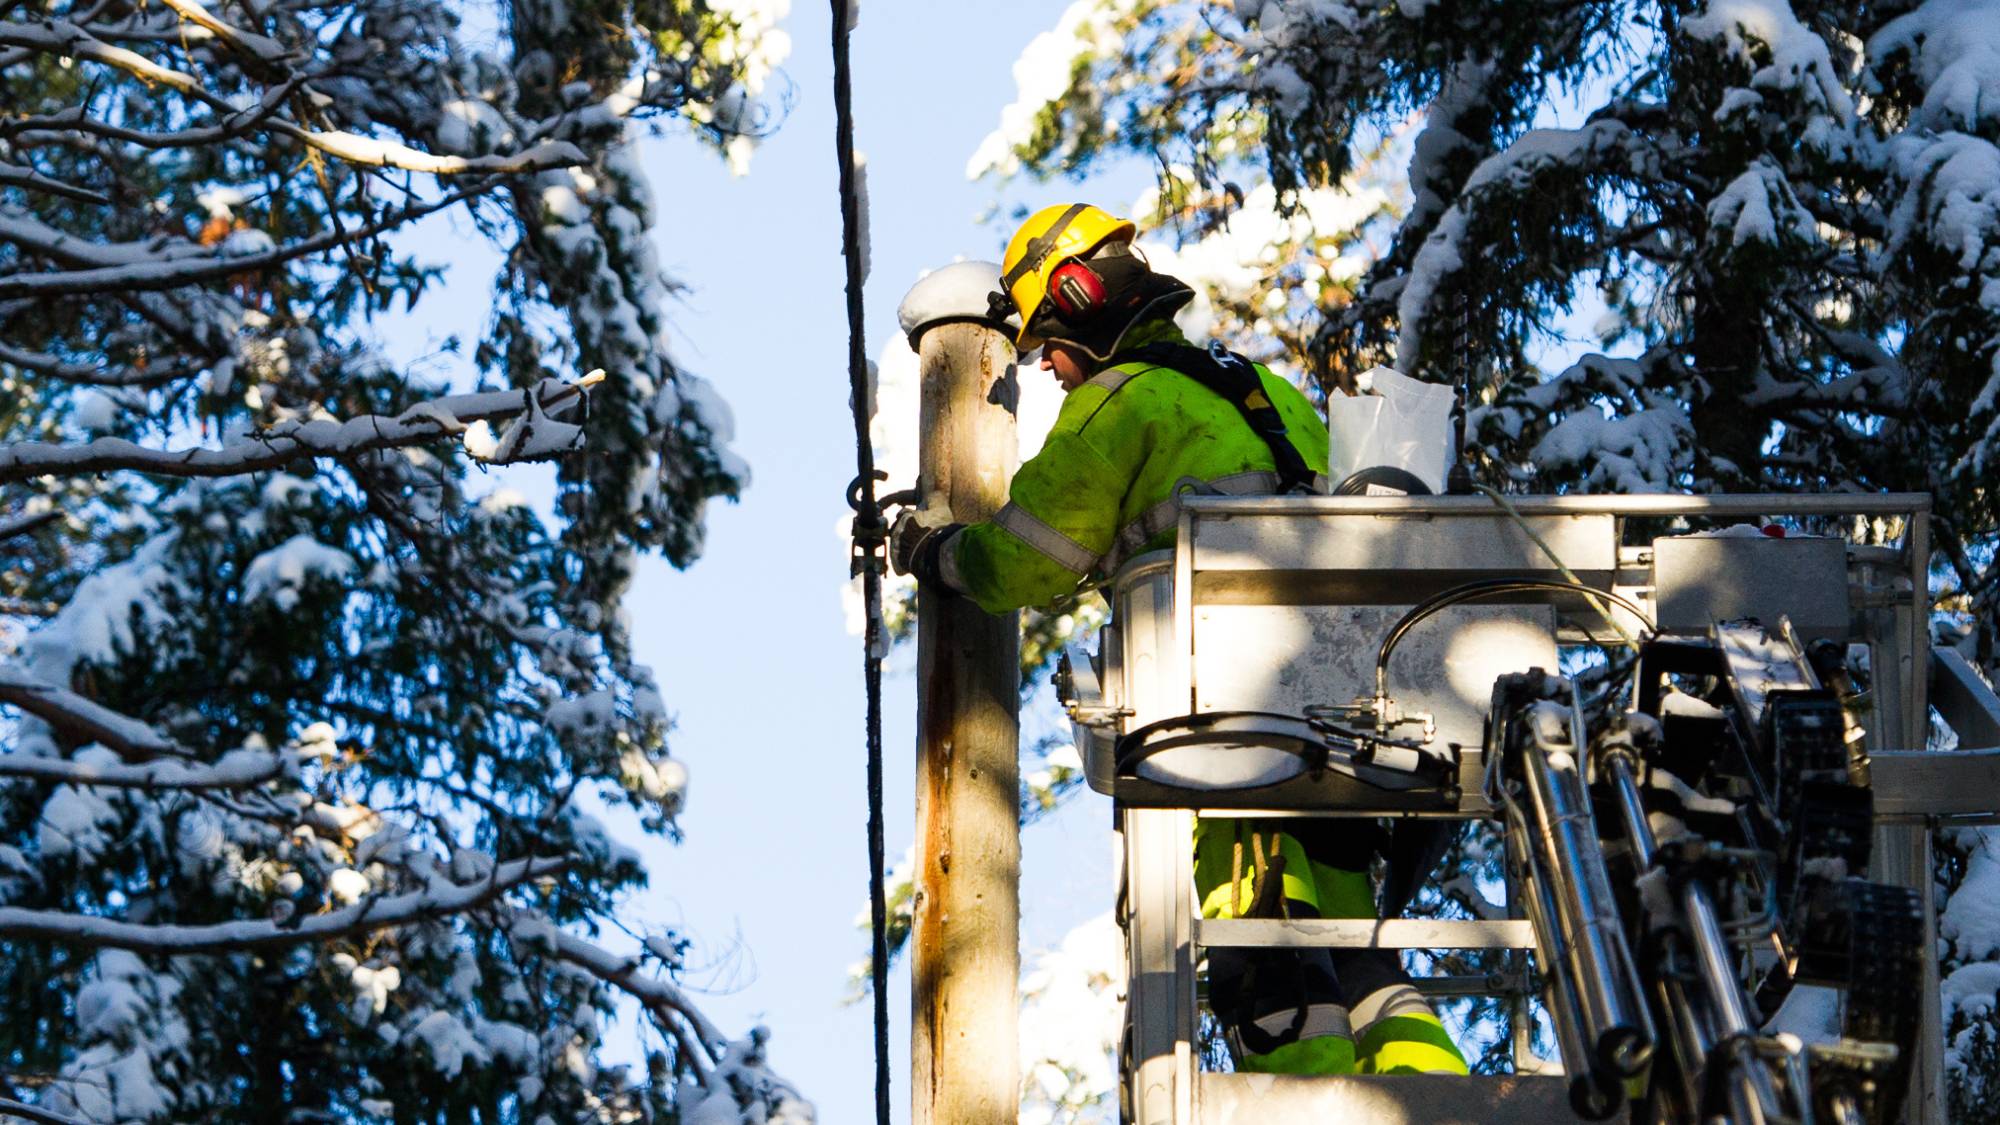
{"points": [[266, 51], [60, 38], [285, 442], [373, 912], [63, 39], [243, 769], [665, 1003], [85, 719], [11, 1108], [121, 269], [374, 153]]}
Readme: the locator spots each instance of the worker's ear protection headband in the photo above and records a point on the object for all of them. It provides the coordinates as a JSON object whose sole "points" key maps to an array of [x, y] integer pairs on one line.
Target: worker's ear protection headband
{"points": [[1076, 291], [1081, 291]]}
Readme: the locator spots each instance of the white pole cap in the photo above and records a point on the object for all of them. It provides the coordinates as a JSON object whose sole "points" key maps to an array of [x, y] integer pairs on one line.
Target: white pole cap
{"points": [[958, 293]]}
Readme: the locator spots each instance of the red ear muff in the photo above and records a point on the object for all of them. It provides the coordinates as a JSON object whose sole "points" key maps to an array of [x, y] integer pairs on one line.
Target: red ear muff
{"points": [[1076, 292]]}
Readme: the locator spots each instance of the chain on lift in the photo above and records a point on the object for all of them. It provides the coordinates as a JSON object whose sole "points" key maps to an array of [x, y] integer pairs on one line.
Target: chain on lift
{"points": [[870, 534]]}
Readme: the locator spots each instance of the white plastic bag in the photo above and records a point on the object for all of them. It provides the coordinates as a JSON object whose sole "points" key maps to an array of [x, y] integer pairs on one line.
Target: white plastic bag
{"points": [[1396, 421]]}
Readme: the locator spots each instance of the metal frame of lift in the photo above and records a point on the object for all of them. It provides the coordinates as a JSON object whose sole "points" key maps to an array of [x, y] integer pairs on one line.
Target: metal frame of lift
{"points": [[1341, 551]]}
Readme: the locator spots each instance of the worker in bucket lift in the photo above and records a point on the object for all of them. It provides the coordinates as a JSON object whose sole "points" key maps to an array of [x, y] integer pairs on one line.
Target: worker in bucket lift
{"points": [[1146, 417]]}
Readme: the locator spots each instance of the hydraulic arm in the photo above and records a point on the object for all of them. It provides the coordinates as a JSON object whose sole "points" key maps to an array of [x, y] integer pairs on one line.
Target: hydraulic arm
{"points": [[1708, 950]]}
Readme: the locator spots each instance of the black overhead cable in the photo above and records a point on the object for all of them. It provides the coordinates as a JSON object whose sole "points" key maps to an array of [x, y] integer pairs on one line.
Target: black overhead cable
{"points": [[869, 534]]}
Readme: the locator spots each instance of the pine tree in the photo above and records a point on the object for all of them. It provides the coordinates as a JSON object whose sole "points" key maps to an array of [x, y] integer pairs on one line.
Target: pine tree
{"points": [[1784, 207], [1786, 210], [302, 732]]}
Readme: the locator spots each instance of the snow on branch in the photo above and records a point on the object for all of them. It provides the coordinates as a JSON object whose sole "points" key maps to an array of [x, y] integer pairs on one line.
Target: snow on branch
{"points": [[375, 152], [161, 271], [65, 39], [26, 1112], [14, 175], [86, 719], [242, 769], [60, 127], [93, 375], [1512, 171], [737, 1085], [371, 913], [291, 441], [15, 526], [265, 50], [666, 1003], [36, 237]]}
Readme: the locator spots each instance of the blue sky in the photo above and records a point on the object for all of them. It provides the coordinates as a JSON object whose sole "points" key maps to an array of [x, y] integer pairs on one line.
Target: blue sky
{"points": [[750, 644]]}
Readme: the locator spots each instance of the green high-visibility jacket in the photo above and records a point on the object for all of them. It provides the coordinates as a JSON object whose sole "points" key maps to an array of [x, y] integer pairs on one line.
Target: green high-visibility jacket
{"points": [[1106, 484]]}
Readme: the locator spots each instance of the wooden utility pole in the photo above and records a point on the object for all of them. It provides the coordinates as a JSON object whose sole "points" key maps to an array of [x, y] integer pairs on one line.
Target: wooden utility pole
{"points": [[964, 1049]]}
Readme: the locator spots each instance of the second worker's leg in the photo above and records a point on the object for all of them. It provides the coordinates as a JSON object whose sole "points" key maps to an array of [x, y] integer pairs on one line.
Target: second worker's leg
{"points": [[1280, 1009], [1395, 1029]]}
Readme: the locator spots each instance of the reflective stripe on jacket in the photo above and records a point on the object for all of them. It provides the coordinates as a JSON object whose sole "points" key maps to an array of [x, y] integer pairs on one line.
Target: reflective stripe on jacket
{"points": [[1105, 485]]}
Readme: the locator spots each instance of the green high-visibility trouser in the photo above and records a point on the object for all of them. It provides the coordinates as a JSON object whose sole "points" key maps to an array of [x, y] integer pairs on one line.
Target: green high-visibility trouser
{"points": [[1316, 1011]]}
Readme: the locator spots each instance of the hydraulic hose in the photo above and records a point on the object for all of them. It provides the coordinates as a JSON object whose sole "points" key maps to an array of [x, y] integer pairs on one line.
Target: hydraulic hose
{"points": [[1486, 588]]}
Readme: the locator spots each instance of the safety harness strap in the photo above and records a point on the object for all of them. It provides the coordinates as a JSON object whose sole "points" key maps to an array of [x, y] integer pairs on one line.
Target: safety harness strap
{"points": [[1236, 380]]}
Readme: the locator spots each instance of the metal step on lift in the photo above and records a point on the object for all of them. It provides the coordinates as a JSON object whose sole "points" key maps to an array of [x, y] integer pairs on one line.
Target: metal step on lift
{"points": [[1276, 606]]}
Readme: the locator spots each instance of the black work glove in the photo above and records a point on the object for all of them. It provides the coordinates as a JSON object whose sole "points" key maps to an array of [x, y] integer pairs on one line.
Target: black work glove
{"points": [[916, 540]]}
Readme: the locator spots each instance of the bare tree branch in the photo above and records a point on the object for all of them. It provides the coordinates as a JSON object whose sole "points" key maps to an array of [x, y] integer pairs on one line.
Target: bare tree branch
{"points": [[372, 913]]}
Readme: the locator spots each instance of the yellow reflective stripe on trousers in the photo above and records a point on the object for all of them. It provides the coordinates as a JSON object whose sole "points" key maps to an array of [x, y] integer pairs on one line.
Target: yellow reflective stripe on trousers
{"points": [[1061, 549], [1396, 1032], [1323, 1055], [1422, 1047]]}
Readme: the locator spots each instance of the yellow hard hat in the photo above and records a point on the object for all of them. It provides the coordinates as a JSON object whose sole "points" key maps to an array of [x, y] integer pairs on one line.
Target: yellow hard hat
{"points": [[1051, 237]]}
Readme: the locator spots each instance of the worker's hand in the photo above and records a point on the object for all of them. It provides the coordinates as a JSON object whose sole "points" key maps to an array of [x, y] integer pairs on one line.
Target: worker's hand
{"points": [[916, 538]]}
